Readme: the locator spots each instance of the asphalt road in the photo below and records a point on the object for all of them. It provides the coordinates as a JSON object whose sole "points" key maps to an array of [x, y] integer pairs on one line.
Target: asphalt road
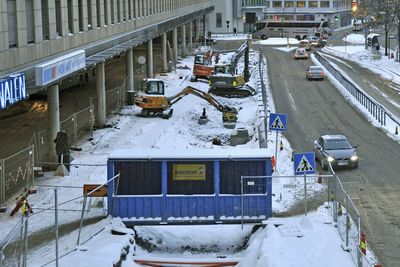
{"points": [[315, 108]]}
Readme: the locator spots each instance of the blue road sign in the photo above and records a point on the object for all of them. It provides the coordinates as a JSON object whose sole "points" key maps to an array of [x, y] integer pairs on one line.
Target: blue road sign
{"points": [[304, 163], [277, 122]]}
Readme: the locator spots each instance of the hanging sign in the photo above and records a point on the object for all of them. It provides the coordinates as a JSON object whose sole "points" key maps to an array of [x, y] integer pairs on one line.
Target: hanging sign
{"points": [[12, 90]]}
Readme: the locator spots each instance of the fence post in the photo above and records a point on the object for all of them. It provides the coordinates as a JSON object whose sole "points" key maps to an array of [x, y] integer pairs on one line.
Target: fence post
{"points": [[25, 251], [335, 197], [74, 119], [81, 223], [347, 221], [31, 164], [305, 194], [91, 121], [2, 182], [241, 193], [56, 221]]}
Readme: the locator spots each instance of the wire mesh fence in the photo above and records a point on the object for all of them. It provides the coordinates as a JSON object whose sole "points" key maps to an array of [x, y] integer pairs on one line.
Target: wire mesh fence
{"points": [[57, 203], [299, 195], [16, 173]]}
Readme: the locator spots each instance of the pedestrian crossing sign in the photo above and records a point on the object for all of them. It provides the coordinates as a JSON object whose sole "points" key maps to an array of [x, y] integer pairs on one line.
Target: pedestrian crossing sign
{"points": [[304, 163], [277, 122]]}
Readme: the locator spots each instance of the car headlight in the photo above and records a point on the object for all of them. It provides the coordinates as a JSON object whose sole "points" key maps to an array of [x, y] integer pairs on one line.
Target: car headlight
{"points": [[354, 158], [330, 159]]}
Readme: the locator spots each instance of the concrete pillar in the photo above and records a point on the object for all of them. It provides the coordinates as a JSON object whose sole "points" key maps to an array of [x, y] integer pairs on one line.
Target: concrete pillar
{"points": [[175, 45], [190, 37], [164, 56], [150, 73], [53, 103], [183, 32], [101, 95], [129, 70]]}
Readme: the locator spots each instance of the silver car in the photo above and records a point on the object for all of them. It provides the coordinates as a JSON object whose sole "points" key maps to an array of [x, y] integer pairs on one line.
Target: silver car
{"points": [[336, 150]]}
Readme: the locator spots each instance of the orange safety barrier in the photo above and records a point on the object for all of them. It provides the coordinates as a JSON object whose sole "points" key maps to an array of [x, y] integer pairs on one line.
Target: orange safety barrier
{"points": [[273, 162]]}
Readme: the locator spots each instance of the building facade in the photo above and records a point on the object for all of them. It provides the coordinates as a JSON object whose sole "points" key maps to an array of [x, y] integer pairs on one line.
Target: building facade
{"points": [[33, 31], [243, 13]]}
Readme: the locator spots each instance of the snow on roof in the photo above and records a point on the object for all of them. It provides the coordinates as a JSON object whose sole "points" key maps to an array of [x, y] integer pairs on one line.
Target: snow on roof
{"points": [[371, 35], [229, 153]]}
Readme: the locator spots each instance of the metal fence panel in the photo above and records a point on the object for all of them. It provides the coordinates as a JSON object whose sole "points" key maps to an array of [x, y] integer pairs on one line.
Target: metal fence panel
{"points": [[18, 172], [11, 247]]}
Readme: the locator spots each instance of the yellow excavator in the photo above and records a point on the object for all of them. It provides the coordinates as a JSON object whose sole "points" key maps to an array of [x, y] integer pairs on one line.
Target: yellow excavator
{"points": [[153, 102]]}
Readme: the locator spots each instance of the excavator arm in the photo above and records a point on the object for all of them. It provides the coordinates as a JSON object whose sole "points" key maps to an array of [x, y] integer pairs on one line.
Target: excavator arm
{"points": [[229, 114]]}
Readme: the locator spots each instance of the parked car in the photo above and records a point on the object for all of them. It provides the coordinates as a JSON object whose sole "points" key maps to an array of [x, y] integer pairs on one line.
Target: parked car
{"points": [[315, 73], [336, 150], [300, 53], [305, 44], [209, 41]]}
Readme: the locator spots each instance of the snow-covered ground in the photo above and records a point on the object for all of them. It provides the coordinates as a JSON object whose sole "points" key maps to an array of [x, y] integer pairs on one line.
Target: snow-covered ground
{"points": [[297, 241]]}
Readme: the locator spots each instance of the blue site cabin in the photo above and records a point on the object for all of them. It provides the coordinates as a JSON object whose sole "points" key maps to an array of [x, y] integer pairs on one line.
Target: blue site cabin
{"points": [[174, 186]]}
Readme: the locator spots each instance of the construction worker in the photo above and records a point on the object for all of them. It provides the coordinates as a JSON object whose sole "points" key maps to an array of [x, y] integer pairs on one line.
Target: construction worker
{"points": [[26, 208]]}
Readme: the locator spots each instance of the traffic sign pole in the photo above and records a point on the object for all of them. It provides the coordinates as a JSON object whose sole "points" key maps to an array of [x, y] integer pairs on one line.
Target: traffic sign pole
{"points": [[276, 153], [305, 194]]}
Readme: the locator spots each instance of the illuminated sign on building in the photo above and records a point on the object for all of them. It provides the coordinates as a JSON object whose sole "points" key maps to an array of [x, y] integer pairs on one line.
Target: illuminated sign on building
{"points": [[12, 90], [57, 68]]}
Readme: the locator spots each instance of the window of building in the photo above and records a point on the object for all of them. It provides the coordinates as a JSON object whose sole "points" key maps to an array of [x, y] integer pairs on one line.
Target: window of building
{"points": [[90, 17], [118, 11], [105, 12], [301, 3], [129, 9], [70, 16], [219, 20], [289, 4], [58, 18], [254, 3], [30, 23], [307, 17], [80, 15], [112, 11], [45, 20], [313, 4], [324, 3], [12, 23], [276, 4], [124, 10], [98, 14], [288, 17]]}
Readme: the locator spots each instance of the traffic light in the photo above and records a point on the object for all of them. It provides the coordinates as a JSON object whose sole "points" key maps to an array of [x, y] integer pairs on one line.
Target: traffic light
{"points": [[336, 18]]}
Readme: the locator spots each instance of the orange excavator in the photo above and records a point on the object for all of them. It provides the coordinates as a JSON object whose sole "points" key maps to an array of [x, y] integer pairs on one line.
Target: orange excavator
{"points": [[153, 102], [203, 67]]}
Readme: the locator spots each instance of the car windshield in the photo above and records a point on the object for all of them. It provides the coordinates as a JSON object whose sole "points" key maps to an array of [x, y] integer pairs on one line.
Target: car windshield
{"points": [[300, 51], [315, 69], [335, 144]]}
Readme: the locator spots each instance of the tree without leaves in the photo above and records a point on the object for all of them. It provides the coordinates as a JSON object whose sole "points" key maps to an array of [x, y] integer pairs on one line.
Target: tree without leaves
{"points": [[385, 12]]}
